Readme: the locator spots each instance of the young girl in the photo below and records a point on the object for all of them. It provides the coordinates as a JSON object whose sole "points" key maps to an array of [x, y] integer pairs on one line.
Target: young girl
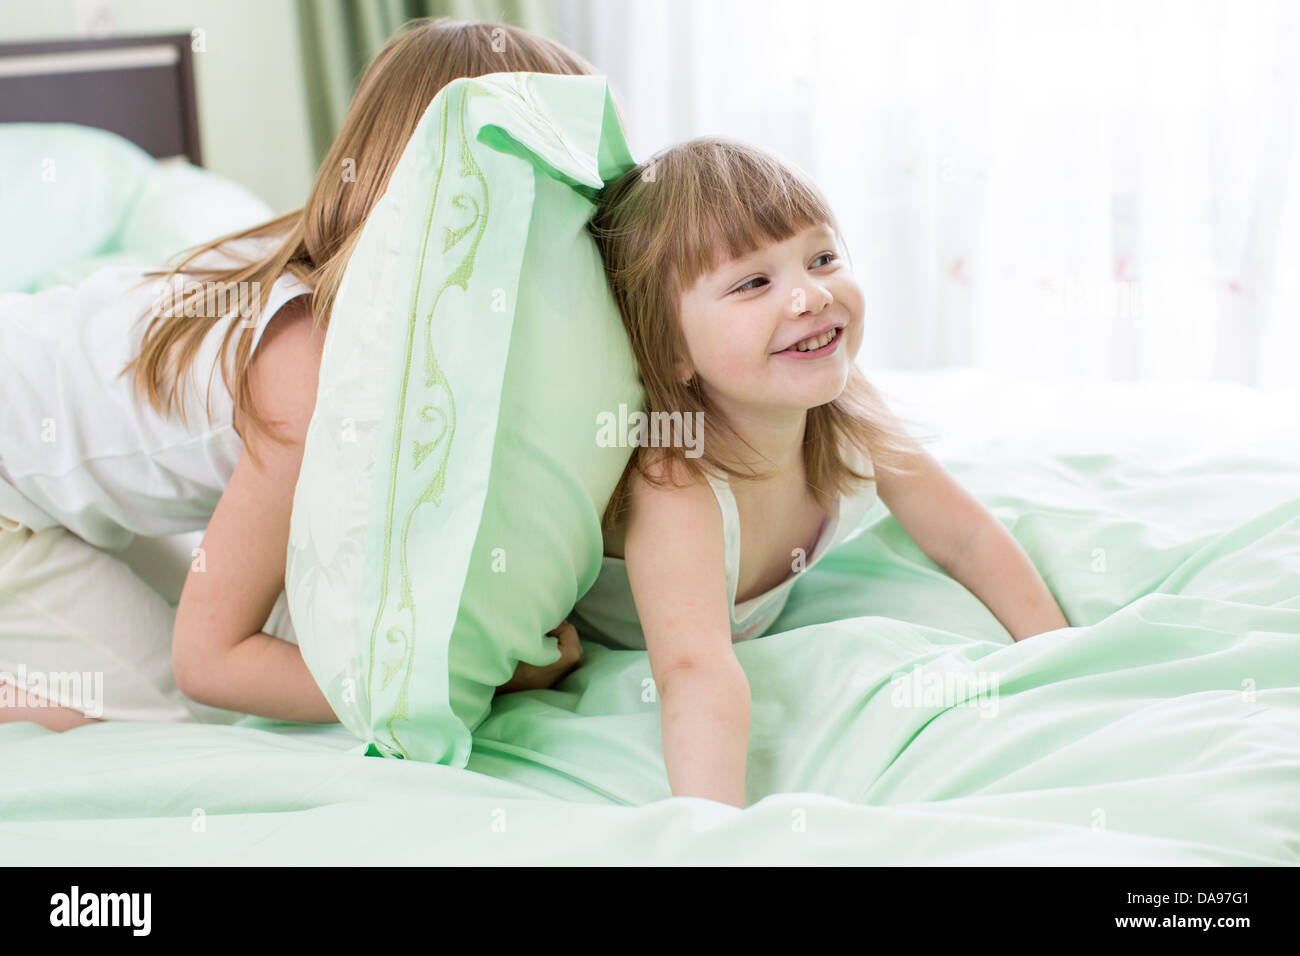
{"points": [[102, 444], [728, 268]]}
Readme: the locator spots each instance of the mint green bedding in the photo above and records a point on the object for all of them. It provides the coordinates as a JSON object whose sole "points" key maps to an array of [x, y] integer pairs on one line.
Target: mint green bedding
{"points": [[1163, 728], [77, 199]]}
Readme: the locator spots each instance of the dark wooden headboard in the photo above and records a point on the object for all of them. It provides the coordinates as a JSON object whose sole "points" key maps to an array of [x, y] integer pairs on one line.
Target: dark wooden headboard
{"points": [[141, 88]]}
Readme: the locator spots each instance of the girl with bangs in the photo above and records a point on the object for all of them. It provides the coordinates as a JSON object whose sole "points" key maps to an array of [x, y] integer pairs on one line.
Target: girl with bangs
{"points": [[729, 270]]}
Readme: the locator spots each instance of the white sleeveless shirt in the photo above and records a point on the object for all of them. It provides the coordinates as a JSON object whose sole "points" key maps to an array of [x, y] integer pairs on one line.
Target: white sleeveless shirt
{"points": [[77, 448], [607, 613]]}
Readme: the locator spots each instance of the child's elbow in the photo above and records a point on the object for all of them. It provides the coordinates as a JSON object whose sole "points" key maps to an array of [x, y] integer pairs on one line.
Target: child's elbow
{"points": [[720, 669], [188, 670], [185, 676]]}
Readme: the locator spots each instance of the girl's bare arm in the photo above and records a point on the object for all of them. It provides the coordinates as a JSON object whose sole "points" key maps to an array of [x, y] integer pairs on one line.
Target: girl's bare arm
{"points": [[676, 568], [219, 654], [958, 533]]}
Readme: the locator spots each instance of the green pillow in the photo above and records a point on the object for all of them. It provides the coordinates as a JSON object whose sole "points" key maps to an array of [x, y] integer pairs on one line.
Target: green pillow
{"points": [[447, 514], [64, 190], [181, 205], [89, 199], [178, 206]]}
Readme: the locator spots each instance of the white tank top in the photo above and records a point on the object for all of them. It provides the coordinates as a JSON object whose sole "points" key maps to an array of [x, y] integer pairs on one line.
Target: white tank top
{"points": [[607, 612], [76, 447]]}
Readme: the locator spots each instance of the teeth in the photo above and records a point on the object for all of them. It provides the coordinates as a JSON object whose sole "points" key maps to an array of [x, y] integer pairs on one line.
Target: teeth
{"points": [[808, 345]]}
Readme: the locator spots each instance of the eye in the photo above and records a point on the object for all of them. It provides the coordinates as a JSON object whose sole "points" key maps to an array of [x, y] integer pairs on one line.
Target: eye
{"points": [[744, 285], [747, 287]]}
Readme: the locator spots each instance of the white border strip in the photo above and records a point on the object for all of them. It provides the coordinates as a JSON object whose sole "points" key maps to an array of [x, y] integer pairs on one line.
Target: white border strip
{"points": [[89, 61]]}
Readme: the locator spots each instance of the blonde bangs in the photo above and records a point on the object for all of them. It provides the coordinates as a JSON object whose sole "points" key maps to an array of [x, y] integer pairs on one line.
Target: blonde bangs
{"points": [[729, 201]]}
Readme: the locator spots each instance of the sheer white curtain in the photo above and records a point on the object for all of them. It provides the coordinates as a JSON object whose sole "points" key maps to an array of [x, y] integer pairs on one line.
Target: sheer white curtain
{"points": [[1100, 190]]}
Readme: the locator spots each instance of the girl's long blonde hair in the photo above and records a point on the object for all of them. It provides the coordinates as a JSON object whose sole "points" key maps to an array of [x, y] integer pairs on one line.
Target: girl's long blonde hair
{"points": [[678, 216], [315, 242]]}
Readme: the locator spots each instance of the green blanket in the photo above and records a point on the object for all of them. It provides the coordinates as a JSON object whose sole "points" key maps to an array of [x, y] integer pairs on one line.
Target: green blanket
{"points": [[893, 721]]}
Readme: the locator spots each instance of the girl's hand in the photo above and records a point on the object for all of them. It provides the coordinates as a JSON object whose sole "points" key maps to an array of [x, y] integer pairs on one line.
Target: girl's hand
{"points": [[528, 677]]}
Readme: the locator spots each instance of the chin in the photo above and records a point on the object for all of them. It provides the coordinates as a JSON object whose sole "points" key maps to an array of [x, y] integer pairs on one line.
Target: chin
{"points": [[825, 396], [827, 400]]}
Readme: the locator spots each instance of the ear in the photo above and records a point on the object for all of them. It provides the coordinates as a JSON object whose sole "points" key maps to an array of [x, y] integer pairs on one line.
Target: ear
{"points": [[683, 371]]}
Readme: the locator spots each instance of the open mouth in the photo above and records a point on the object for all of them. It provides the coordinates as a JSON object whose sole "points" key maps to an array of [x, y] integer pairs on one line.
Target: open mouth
{"points": [[829, 346]]}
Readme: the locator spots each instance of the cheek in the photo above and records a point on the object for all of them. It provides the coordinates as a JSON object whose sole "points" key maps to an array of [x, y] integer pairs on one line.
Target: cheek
{"points": [[853, 299], [853, 342], [721, 357], [724, 363], [855, 303], [724, 350]]}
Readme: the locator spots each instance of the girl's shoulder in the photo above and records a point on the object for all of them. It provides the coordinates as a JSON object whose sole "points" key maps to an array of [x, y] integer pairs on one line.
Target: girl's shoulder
{"points": [[670, 495], [665, 469], [291, 341], [284, 372]]}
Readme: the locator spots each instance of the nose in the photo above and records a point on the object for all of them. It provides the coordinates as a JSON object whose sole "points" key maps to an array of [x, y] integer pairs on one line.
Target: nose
{"points": [[809, 298]]}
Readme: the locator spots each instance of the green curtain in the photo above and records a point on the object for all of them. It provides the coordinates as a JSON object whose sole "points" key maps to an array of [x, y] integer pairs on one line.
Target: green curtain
{"points": [[340, 37]]}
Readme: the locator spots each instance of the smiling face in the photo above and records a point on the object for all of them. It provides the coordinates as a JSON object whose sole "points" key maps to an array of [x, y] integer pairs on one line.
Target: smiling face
{"points": [[742, 322]]}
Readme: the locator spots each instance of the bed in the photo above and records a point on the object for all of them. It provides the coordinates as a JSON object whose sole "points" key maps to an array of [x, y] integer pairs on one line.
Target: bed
{"points": [[893, 720], [1162, 728]]}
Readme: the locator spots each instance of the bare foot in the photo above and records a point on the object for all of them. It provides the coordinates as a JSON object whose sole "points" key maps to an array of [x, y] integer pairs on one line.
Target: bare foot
{"points": [[17, 703]]}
